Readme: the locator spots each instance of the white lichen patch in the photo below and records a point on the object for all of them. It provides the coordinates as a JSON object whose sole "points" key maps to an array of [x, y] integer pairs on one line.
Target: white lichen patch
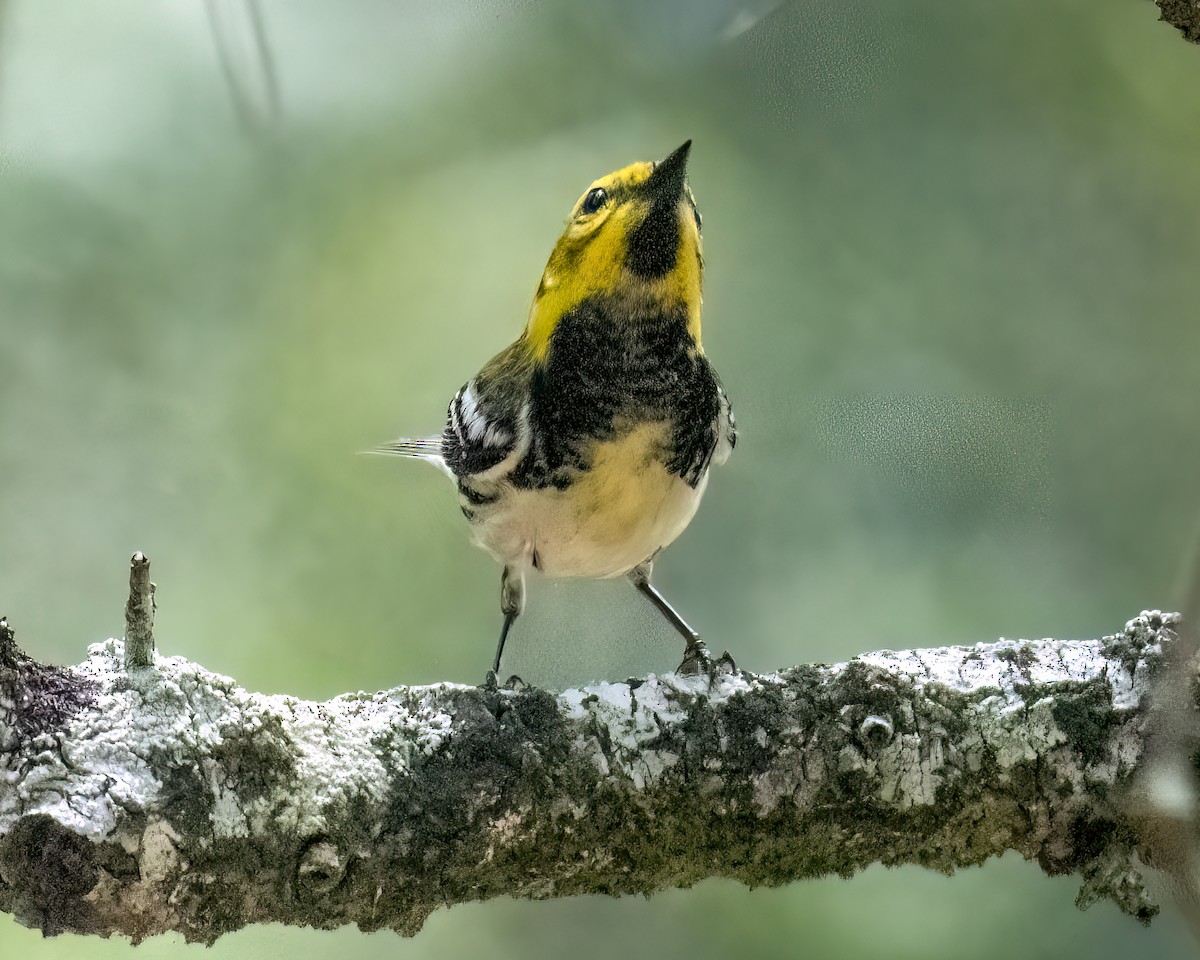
{"points": [[1006, 665], [1010, 666], [633, 717], [1002, 724], [176, 715], [1017, 734]]}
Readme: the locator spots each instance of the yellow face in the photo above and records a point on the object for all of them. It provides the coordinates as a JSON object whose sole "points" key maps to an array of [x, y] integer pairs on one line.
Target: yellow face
{"points": [[633, 237]]}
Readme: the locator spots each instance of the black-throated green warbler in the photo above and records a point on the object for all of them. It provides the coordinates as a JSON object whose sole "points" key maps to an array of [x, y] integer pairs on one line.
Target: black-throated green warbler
{"points": [[583, 448]]}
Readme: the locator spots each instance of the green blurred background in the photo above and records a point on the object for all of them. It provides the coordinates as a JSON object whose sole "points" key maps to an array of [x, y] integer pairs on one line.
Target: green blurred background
{"points": [[953, 259]]}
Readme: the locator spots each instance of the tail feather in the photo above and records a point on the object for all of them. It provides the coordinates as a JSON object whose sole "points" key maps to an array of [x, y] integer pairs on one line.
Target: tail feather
{"points": [[421, 448]]}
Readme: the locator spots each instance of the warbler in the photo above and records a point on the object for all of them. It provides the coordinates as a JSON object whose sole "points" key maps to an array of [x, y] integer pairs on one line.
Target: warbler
{"points": [[583, 448]]}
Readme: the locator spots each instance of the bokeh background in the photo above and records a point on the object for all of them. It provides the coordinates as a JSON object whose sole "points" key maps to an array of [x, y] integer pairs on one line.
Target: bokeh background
{"points": [[952, 288]]}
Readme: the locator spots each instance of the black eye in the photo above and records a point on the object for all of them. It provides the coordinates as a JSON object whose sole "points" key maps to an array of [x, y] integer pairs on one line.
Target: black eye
{"points": [[595, 199]]}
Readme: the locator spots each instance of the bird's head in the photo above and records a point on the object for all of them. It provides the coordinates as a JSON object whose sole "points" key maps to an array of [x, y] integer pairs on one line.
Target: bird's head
{"points": [[633, 238]]}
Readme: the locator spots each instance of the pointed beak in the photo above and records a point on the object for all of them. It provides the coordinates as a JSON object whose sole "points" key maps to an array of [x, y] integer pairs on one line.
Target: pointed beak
{"points": [[670, 174], [654, 244]]}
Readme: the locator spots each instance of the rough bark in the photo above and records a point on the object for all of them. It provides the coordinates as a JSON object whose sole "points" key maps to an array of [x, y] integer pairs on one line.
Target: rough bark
{"points": [[1183, 15], [139, 614], [136, 801]]}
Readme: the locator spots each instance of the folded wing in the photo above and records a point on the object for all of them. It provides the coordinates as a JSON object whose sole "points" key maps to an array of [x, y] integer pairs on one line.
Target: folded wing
{"points": [[487, 432]]}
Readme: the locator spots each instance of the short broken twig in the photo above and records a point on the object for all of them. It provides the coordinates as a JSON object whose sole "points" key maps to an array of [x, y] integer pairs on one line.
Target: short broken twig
{"points": [[139, 614]]}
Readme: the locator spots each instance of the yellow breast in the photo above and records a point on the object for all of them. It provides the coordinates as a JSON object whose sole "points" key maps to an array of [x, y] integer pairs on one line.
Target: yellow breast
{"points": [[627, 487], [617, 514]]}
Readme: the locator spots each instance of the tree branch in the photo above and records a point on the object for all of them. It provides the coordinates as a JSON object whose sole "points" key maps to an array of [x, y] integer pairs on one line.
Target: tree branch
{"points": [[136, 801], [1183, 15]]}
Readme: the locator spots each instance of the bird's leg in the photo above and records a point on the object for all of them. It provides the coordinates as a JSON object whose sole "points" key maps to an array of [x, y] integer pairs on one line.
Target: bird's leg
{"points": [[512, 602], [696, 658]]}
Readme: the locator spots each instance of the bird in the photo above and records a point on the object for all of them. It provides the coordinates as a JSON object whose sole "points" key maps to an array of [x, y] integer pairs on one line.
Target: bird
{"points": [[584, 447]]}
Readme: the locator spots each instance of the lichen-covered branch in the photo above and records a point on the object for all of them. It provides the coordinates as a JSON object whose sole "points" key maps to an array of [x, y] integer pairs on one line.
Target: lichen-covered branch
{"points": [[137, 801], [1183, 15]]}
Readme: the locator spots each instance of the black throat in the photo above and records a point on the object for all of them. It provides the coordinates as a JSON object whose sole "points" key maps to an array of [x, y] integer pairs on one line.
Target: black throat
{"points": [[654, 245]]}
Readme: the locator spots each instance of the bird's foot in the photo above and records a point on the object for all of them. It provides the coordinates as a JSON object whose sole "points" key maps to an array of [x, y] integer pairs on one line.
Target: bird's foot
{"points": [[725, 664], [492, 683], [698, 661]]}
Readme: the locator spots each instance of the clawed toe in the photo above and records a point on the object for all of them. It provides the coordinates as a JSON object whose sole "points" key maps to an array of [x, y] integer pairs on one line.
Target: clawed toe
{"points": [[492, 683], [698, 661]]}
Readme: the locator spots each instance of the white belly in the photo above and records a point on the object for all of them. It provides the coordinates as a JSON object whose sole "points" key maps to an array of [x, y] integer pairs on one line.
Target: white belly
{"points": [[616, 515]]}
